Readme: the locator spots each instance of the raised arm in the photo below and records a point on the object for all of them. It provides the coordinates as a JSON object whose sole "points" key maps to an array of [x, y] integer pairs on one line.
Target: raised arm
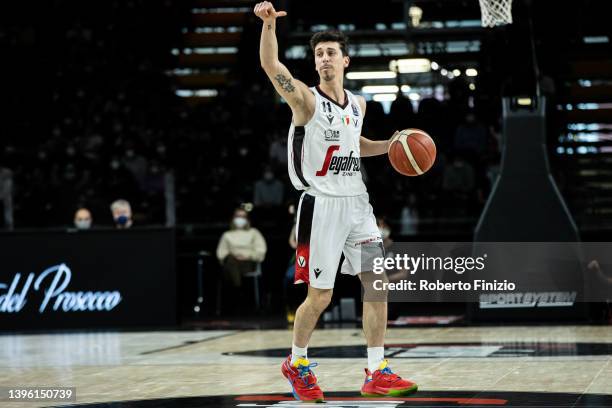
{"points": [[295, 92]]}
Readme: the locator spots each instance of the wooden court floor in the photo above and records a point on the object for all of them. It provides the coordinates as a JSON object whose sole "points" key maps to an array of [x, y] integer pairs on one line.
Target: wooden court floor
{"points": [[115, 366]]}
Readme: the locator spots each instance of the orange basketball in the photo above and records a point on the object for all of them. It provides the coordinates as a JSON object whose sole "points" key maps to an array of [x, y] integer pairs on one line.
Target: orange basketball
{"points": [[412, 152]]}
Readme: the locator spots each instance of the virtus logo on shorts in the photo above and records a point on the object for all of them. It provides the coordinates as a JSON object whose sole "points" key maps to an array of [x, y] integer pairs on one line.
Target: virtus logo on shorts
{"points": [[301, 261]]}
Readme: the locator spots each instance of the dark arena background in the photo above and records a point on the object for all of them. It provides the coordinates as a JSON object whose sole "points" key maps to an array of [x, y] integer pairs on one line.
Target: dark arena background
{"points": [[136, 132]]}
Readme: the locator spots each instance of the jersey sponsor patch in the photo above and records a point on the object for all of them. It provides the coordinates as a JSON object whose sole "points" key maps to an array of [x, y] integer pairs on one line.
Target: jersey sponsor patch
{"points": [[355, 110], [332, 135], [336, 164]]}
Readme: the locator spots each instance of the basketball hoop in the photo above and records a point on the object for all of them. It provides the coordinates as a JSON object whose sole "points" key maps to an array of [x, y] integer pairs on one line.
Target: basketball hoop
{"points": [[496, 12]]}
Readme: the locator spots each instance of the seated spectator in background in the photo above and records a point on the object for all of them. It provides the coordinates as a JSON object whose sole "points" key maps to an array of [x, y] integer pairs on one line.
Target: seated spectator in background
{"points": [[401, 114], [471, 137], [458, 176], [268, 190], [459, 183], [82, 219], [278, 150], [122, 213], [409, 217], [240, 249]]}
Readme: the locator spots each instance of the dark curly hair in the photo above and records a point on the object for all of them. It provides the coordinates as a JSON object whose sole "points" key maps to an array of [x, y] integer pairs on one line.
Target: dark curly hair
{"points": [[333, 36]]}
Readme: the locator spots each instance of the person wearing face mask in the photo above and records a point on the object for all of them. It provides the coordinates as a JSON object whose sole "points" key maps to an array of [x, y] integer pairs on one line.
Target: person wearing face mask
{"points": [[239, 250], [122, 214], [82, 219]]}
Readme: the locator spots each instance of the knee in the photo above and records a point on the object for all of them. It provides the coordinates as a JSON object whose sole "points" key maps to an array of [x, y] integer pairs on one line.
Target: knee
{"points": [[319, 298]]}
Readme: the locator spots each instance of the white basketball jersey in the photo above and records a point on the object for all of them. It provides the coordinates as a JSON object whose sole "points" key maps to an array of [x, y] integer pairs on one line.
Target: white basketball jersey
{"points": [[324, 155]]}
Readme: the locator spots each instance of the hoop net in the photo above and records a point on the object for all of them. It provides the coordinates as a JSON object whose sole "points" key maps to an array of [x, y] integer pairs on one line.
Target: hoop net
{"points": [[495, 12]]}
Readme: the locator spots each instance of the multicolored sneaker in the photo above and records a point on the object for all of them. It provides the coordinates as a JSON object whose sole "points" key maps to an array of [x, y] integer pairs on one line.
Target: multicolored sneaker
{"points": [[383, 383], [302, 379]]}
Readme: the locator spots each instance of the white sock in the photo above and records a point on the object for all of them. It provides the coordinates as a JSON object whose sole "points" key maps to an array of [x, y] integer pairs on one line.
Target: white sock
{"points": [[298, 352], [376, 355]]}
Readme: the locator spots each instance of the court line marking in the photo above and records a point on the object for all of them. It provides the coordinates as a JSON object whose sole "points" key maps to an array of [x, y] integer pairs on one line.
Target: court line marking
{"points": [[586, 390], [188, 343]]}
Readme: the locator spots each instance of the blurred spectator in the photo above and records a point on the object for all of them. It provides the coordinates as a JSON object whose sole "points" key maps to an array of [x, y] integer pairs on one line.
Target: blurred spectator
{"points": [[268, 190], [137, 165], [459, 184], [122, 214], [6, 196], [471, 137], [278, 150], [409, 217], [430, 112], [82, 219], [240, 249], [374, 126], [401, 115], [458, 176]]}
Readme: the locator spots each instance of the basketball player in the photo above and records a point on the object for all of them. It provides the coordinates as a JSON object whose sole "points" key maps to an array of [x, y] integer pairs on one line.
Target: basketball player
{"points": [[334, 214]]}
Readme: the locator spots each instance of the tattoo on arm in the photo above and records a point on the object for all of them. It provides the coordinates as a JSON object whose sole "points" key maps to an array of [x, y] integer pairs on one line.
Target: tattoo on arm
{"points": [[285, 83]]}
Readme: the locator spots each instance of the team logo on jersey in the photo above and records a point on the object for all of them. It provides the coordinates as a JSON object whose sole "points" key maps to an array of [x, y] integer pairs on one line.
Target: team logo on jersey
{"points": [[336, 164], [332, 135], [355, 110], [356, 122], [330, 118]]}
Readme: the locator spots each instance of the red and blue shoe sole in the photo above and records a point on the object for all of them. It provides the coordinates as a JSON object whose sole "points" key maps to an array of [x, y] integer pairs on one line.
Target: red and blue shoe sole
{"points": [[402, 392]]}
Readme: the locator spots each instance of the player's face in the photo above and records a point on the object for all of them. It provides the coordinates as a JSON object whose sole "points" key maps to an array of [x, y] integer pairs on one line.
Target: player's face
{"points": [[329, 61]]}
